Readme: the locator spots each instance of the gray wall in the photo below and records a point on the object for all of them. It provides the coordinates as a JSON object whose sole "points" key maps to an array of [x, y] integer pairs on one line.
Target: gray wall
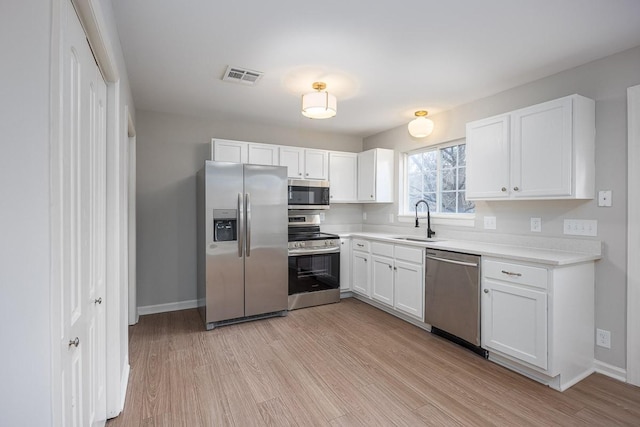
{"points": [[25, 297], [605, 81], [170, 149]]}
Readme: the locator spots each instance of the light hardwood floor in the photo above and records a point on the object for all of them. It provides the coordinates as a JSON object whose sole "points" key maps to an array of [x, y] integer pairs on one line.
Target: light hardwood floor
{"points": [[345, 364]]}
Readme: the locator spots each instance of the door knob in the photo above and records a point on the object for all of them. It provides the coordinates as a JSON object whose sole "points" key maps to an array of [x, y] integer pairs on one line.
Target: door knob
{"points": [[486, 291], [98, 301], [75, 342], [504, 189], [515, 189]]}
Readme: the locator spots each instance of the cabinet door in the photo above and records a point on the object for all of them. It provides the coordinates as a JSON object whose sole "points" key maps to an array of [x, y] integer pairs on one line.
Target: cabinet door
{"points": [[542, 149], [366, 176], [229, 151], [382, 279], [488, 158], [360, 277], [316, 164], [343, 176], [345, 264], [293, 159], [514, 322], [409, 286], [263, 154]]}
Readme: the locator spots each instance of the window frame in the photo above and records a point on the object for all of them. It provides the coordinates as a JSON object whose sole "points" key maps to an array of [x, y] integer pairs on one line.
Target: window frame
{"points": [[457, 219]]}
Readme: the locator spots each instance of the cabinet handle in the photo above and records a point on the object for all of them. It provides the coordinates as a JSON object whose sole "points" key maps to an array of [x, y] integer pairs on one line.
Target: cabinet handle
{"points": [[75, 342], [516, 189], [306, 174], [98, 301], [510, 273], [486, 291], [389, 267], [300, 173], [395, 268], [371, 196], [360, 245], [504, 189]]}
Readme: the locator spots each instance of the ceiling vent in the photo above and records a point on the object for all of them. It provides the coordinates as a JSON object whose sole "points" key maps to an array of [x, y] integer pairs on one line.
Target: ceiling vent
{"points": [[242, 76]]}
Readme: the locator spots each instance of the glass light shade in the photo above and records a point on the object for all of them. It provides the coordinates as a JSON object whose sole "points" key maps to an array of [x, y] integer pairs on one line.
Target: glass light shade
{"points": [[420, 127], [319, 105]]}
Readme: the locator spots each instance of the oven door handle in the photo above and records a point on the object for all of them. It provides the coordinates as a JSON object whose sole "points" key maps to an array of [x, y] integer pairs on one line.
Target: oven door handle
{"points": [[300, 252]]}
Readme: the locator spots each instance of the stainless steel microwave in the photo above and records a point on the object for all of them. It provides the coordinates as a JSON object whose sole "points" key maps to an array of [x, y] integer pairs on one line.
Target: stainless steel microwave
{"points": [[308, 194]]}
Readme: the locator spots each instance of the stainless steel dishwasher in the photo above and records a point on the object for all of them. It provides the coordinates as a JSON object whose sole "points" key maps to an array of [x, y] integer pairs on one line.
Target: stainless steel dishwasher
{"points": [[452, 297]]}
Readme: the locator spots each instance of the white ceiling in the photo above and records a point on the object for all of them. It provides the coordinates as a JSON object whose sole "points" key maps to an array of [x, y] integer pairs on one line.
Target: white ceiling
{"points": [[383, 60]]}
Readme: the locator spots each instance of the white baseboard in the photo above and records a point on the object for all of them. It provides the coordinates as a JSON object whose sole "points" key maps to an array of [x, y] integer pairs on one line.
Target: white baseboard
{"points": [[163, 308], [611, 371]]}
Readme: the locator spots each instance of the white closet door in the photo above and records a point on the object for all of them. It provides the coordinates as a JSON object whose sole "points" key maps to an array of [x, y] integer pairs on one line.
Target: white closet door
{"points": [[80, 199]]}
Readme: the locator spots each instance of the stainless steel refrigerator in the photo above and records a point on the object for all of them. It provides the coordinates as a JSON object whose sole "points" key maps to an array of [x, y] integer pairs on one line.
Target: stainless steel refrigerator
{"points": [[242, 242]]}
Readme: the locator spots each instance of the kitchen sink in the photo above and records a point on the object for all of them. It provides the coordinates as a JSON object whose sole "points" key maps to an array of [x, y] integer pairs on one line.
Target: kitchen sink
{"points": [[417, 239]]}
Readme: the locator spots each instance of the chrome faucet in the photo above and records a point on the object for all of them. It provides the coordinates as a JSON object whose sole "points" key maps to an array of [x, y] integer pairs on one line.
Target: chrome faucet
{"points": [[430, 232]]}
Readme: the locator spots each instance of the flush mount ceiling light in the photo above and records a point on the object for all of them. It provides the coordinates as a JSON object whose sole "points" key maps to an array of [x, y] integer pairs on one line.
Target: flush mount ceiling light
{"points": [[320, 104], [420, 127]]}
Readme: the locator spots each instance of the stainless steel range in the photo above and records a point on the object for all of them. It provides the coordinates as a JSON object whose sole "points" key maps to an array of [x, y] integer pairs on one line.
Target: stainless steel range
{"points": [[314, 263]]}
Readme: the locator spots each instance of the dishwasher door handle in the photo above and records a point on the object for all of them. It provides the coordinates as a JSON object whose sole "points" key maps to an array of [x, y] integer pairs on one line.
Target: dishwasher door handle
{"points": [[452, 261]]}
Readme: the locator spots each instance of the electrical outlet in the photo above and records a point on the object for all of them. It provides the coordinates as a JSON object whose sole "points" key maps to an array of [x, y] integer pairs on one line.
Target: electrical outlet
{"points": [[536, 225], [490, 222], [603, 338], [321, 216], [364, 216]]}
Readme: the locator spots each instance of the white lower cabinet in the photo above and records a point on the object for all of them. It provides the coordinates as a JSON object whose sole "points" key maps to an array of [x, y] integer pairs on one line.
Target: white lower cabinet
{"points": [[395, 274], [382, 278], [360, 267], [345, 264], [409, 289], [514, 320], [539, 319]]}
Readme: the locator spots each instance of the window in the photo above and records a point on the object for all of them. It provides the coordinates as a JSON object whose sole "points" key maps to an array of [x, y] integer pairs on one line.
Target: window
{"points": [[436, 175]]}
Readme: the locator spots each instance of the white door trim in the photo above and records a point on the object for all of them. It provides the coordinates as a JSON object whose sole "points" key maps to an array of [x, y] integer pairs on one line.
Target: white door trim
{"points": [[633, 236]]}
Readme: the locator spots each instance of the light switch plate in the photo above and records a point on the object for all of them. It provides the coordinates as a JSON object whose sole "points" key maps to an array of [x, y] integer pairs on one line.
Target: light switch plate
{"points": [[490, 222], [581, 227], [604, 198]]}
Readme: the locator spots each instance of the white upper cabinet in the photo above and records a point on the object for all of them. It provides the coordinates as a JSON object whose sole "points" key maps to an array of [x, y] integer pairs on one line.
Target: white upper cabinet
{"points": [[263, 154], [293, 159], [546, 151], [224, 150], [316, 164], [304, 163], [343, 176], [375, 175], [488, 158]]}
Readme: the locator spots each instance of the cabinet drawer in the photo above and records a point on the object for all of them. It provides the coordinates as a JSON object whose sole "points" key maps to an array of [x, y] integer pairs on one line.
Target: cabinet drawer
{"points": [[360, 245], [384, 249], [515, 273], [409, 254]]}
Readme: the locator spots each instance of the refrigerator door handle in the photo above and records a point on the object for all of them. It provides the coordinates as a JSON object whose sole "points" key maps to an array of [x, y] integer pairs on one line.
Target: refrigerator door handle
{"points": [[247, 201], [240, 220]]}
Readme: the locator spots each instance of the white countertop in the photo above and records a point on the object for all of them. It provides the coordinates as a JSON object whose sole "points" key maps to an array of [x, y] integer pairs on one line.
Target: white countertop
{"points": [[517, 253]]}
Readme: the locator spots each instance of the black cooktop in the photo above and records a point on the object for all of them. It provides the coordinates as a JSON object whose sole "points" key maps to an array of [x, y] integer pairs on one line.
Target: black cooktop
{"points": [[298, 234]]}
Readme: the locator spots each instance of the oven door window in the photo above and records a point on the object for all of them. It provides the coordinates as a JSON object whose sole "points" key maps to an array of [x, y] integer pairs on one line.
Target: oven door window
{"points": [[310, 273]]}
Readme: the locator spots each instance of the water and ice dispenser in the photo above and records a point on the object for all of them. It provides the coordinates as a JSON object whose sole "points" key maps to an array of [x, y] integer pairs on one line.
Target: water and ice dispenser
{"points": [[225, 225]]}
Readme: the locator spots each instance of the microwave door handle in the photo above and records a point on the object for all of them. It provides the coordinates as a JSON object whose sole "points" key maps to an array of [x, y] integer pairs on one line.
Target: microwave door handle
{"points": [[247, 202], [239, 219]]}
